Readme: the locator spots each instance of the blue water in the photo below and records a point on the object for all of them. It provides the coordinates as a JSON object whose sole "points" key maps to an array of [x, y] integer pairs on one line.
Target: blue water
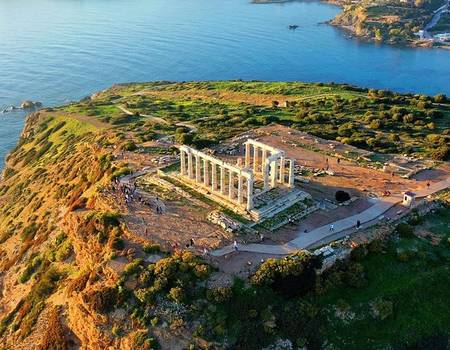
{"points": [[55, 51]]}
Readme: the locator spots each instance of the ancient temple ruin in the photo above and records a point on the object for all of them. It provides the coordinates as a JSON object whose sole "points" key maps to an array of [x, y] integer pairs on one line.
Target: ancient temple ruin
{"points": [[243, 187]]}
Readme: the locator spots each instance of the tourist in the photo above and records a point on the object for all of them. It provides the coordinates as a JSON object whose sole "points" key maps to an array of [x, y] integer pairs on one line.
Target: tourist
{"points": [[192, 242], [358, 224], [235, 245], [338, 160], [331, 227]]}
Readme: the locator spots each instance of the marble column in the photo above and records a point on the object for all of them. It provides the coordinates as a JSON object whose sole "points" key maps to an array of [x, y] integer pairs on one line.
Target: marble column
{"points": [[266, 176], [206, 172], [182, 162], [190, 169], [291, 173], [247, 154], [222, 180], [273, 173], [282, 166], [214, 176], [231, 185], [197, 168], [240, 185], [263, 161], [255, 158], [249, 193]]}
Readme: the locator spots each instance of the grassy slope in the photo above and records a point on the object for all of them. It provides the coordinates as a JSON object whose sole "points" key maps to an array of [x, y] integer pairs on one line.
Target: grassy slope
{"points": [[419, 289]]}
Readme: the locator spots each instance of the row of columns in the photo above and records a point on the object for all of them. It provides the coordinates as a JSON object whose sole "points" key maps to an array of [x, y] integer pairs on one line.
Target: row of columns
{"points": [[226, 172], [272, 165]]}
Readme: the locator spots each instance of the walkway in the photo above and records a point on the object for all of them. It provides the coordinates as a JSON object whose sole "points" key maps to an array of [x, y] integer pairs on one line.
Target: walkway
{"points": [[305, 240], [155, 119]]}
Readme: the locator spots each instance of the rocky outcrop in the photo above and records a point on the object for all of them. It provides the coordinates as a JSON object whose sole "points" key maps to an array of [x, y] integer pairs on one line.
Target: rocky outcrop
{"points": [[27, 104]]}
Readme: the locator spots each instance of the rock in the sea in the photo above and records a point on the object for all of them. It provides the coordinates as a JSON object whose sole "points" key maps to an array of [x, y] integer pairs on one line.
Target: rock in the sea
{"points": [[30, 104]]}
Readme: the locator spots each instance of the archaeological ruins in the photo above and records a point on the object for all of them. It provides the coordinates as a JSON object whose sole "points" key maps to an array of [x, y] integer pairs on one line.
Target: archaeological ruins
{"points": [[243, 186]]}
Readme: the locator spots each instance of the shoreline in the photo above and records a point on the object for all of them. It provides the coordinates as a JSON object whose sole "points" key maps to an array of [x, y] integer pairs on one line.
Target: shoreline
{"points": [[350, 30]]}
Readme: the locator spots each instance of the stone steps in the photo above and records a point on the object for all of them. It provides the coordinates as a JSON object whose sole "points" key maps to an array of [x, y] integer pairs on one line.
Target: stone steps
{"points": [[279, 205]]}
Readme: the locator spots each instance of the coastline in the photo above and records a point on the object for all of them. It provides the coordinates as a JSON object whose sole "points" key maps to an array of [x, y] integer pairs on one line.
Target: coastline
{"points": [[350, 28]]}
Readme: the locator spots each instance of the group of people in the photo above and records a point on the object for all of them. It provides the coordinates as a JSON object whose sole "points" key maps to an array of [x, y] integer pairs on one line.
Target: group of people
{"points": [[357, 226], [190, 244], [127, 191], [130, 194]]}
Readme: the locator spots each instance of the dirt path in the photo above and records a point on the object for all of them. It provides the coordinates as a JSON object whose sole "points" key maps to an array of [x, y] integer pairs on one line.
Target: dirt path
{"points": [[156, 119]]}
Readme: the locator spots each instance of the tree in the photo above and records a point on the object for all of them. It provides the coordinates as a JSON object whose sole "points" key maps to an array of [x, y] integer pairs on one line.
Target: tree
{"points": [[440, 98], [342, 196], [184, 138], [376, 124], [441, 153], [292, 275]]}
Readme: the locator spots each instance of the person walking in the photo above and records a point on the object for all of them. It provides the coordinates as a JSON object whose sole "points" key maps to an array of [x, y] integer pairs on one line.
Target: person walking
{"points": [[235, 245], [331, 227], [358, 224]]}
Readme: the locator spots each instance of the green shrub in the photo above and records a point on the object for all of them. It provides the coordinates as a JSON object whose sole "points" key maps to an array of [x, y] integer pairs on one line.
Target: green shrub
{"points": [[29, 231], [30, 269], [405, 230], [382, 309], [375, 246], [128, 146], [292, 275], [441, 153], [358, 253], [133, 267], [219, 294], [150, 248], [354, 276], [176, 294], [64, 251]]}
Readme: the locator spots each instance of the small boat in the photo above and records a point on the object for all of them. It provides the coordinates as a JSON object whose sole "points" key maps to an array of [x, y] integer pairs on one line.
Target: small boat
{"points": [[293, 26]]}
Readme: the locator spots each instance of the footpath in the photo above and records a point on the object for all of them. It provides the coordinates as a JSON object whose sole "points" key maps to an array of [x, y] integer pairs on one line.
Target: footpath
{"points": [[305, 240]]}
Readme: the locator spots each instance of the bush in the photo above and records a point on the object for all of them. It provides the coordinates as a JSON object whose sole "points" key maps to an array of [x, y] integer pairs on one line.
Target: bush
{"points": [[219, 294], [152, 248], [354, 276], [176, 294], [376, 124], [405, 230], [128, 146], [342, 196], [292, 275], [184, 138], [358, 253], [440, 98], [133, 267], [375, 246], [29, 232], [103, 300], [382, 309], [441, 153]]}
